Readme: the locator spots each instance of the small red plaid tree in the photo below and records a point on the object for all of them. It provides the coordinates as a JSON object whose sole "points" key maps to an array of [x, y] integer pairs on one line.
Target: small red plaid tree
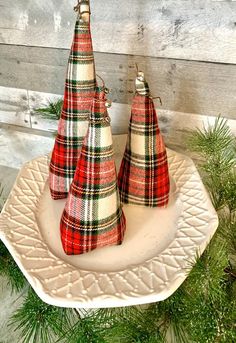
{"points": [[143, 178], [79, 91], [93, 216]]}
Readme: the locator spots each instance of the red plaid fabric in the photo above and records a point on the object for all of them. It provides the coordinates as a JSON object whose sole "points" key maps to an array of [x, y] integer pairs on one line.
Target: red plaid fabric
{"points": [[93, 216], [79, 91], [143, 178]]}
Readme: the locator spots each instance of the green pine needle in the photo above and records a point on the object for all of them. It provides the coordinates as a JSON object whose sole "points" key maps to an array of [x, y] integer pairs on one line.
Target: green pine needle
{"points": [[217, 146], [129, 325], [39, 322], [207, 273], [229, 190], [227, 231], [86, 329], [9, 269], [52, 111], [213, 139]]}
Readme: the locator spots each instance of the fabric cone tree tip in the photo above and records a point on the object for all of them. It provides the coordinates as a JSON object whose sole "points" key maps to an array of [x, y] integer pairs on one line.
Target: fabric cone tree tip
{"points": [[93, 216], [143, 177], [79, 91]]}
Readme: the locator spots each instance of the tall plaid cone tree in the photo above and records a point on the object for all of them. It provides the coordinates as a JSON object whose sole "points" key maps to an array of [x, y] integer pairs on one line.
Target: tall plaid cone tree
{"points": [[143, 178], [93, 216], [79, 91]]}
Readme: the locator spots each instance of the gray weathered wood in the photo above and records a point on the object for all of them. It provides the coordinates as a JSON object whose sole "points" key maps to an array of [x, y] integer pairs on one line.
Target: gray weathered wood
{"points": [[14, 106], [18, 147], [174, 125], [28, 144], [184, 86], [19, 143], [169, 121], [25, 144], [196, 29]]}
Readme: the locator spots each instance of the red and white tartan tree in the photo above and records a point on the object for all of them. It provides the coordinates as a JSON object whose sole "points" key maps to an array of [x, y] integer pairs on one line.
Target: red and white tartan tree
{"points": [[79, 91], [143, 178], [93, 216]]}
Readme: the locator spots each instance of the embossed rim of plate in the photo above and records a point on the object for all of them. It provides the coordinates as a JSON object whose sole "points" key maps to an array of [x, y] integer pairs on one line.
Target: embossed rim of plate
{"points": [[60, 284]]}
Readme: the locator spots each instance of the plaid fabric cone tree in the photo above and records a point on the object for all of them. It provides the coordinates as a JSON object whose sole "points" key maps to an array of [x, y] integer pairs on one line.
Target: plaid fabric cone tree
{"points": [[143, 177], [79, 91], [93, 216]]}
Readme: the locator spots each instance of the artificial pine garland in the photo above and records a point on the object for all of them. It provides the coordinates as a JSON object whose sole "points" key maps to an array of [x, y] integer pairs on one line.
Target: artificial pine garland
{"points": [[202, 310]]}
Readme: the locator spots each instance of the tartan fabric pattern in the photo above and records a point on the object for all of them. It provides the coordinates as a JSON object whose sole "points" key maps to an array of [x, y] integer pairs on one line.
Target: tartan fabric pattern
{"points": [[93, 216], [143, 177], [79, 91]]}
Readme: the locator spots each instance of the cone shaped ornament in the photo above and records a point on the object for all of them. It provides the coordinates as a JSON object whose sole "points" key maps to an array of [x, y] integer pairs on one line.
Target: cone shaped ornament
{"points": [[79, 91], [143, 177], [93, 216]]}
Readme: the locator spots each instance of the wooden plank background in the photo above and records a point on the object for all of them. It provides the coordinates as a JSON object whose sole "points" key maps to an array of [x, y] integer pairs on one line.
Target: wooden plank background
{"points": [[174, 126], [184, 86], [185, 29], [186, 48]]}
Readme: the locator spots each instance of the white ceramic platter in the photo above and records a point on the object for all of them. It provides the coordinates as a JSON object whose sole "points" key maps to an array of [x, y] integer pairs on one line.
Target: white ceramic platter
{"points": [[153, 261]]}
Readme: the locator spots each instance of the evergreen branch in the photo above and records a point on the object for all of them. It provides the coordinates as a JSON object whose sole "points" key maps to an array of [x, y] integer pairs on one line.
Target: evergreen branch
{"points": [[170, 317], [217, 146], [207, 272], [206, 282], [8, 268], [229, 190], [227, 231], [129, 325], [52, 111], [86, 329], [230, 272], [39, 322], [213, 139]]}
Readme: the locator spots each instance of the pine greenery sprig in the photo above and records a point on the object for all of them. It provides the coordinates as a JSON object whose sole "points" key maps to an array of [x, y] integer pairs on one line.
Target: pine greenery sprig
{"points": [[85, 329], [227, 231], [52, 111], [207, 273], [129, 324], [217, 146], [39, 322], [213, 141], [8, 268]]}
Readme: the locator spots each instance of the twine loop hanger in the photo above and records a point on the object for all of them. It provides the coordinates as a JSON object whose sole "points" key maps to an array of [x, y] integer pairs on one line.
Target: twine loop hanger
{"points": [[77, 8], [107, 103], [106, 90], [142, 85]]}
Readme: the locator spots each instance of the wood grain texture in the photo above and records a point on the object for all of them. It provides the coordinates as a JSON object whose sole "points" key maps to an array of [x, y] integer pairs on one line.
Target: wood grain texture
{"points": [[18, 147], [21, 144], [174, 125], [196, 29], [14, 108], [184, 86]]}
